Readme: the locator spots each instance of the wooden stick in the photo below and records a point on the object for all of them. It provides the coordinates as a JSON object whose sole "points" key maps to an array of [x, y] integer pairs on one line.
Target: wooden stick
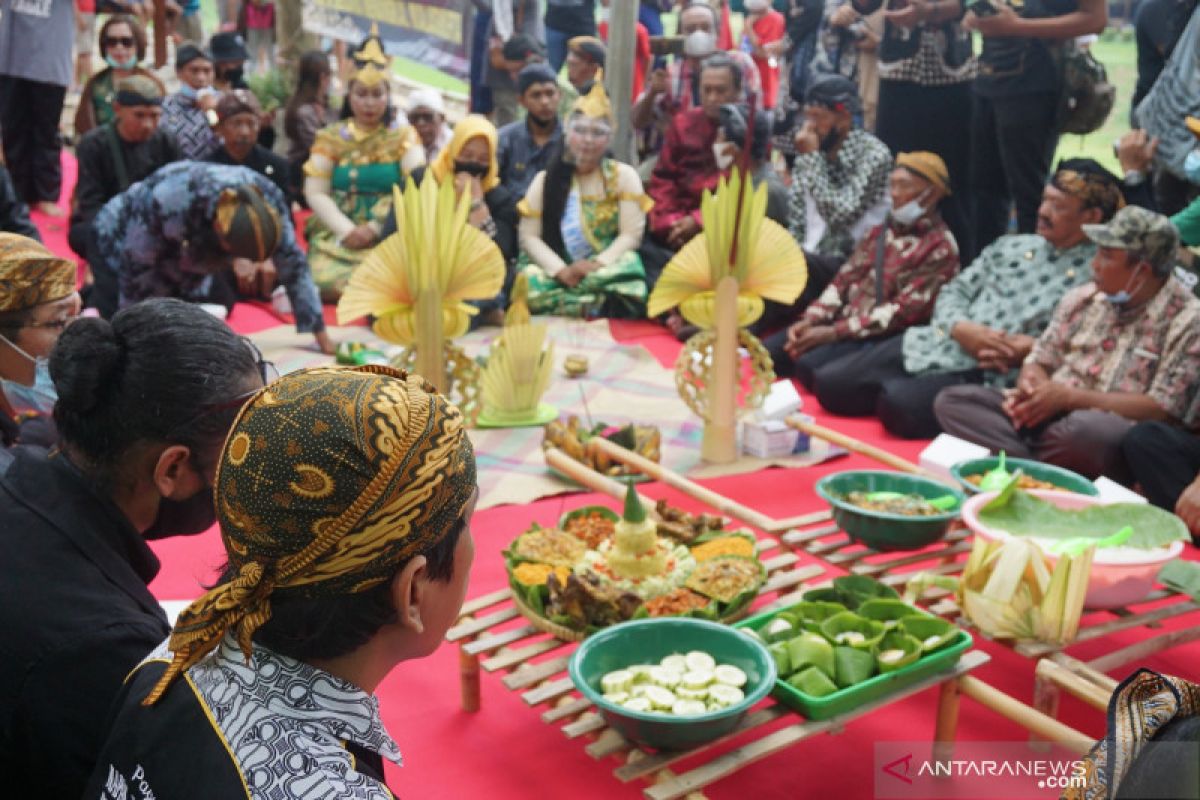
{"points": [[855, 446], [468, 671], [1051, 674], [588, 477], [1032, 720], [431, 347], [160, 33], [946, 726], [719, 445]]}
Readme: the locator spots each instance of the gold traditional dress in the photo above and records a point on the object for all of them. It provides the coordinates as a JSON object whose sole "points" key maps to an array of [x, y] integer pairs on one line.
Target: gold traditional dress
{"points": [[603, 219], [349, 177]]}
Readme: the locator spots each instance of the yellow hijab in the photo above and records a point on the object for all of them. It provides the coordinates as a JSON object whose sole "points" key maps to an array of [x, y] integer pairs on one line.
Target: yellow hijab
{"points": [[469, 128]]}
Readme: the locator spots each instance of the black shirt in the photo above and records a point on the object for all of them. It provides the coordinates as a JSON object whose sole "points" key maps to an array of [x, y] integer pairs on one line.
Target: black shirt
{"points": [[572, 17], [270, 165], [1010, 66], [100, 174], [14, 214], [75, 618]]}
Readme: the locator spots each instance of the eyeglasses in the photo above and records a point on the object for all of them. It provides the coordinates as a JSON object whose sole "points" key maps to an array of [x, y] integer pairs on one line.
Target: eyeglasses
{"points": [[421, 116], [123, 41], [266, 370], [591, 133]]}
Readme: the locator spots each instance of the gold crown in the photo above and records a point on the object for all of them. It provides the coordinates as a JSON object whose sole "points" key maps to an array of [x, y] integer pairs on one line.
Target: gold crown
{"points": [[372, 61], [595, 103]]}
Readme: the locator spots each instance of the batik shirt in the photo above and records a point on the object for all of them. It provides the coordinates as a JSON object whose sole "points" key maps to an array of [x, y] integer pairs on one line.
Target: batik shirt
{"points": [[158, 238], [1154, 350], [273, 728], [917, 260], [1013, 286], [842, 190], [182, 117]]}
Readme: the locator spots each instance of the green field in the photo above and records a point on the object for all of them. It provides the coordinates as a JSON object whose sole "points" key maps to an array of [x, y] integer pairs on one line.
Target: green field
{"points": [[1119, 56]]}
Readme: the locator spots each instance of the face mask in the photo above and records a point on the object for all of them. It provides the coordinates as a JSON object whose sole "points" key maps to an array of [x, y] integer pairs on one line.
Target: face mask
{"points": [[723, 155], [699, 44], [755, 6], [188, 91], [183, 517], [910, 212], [474, 170], [1124, 296], [830, 140], [38, 398], [234, 76], [1191, 166], [128, 63]]}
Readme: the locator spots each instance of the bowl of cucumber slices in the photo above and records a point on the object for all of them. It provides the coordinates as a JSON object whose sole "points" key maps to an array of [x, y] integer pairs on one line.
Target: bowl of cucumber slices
{"points": [[672, 683]]}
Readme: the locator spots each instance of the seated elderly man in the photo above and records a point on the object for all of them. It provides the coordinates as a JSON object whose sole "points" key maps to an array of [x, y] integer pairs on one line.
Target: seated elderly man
{"points": [[115, 156], [427, 113], [1122, 349], [349, 552], [674, 90], [985, 320], [205, 233], [239, 119], [188, 113], [888, 284]]}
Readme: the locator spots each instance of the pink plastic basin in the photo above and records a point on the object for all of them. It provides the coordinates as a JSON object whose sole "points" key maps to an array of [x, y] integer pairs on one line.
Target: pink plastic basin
{"points": [[1111, 585]]}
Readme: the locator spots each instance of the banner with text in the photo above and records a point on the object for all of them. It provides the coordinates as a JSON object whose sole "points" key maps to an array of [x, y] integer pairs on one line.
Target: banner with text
{"points": [[431, 32]]}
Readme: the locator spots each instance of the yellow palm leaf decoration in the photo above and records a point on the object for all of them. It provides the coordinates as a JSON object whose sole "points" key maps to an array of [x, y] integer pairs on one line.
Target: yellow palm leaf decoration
{"points": [[518, 370], [435, 254], [739, 241]]}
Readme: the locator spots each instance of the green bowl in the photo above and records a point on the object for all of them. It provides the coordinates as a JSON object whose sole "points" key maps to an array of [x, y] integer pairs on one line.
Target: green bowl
{"points": [[648, 641], [880, 530], [1062, 478]]}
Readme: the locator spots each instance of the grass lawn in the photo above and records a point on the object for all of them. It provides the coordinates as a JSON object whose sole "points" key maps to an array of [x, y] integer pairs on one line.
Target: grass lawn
{"points": [[1119, 56]]}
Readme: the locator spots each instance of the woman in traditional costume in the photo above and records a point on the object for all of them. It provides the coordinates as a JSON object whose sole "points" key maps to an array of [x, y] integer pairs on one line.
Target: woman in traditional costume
{"points": [[351, 169], [582, 222]]}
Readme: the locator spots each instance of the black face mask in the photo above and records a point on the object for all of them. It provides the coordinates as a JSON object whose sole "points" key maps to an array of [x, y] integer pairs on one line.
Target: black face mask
{"points": [[183, 517], [235, 76], [472, 169], [830, 140]]}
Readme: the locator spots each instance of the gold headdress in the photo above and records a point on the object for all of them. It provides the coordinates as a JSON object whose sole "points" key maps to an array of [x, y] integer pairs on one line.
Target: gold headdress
{"points": [[371, 60], [595, 103]]}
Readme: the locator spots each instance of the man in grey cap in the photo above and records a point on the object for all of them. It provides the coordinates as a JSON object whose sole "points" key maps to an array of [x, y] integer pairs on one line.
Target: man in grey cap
{"points": [[188, 113], [1122, 349]]}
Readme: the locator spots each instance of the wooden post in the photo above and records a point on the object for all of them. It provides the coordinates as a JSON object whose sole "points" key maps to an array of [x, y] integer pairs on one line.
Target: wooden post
{"points": [[947, 720], [431, 344], [622, 38], [160, 33], [468, 670], [719, 445]]}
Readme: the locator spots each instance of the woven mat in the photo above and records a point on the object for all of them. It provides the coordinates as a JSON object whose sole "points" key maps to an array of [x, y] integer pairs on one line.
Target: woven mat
{"points": [[624, 384]]}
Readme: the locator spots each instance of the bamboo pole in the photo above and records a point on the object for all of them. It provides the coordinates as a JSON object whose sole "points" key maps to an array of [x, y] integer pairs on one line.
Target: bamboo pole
{"points": [[160, 33], [431, 344], [1050, 673], [719, 445], [1032, 720], [855, 446], [588, 477]]}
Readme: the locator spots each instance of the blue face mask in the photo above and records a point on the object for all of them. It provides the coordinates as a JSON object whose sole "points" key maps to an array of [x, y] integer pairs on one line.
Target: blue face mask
{"points": [[188, 91], [38, 398], [1191, 166], [129, 63], [1124, 296]]}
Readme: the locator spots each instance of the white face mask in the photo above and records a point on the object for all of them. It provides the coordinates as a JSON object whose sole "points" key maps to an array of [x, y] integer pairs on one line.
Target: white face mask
{"points": [[723, 154], [38, 398], [910, 212], [755, 6], [699, 44]]}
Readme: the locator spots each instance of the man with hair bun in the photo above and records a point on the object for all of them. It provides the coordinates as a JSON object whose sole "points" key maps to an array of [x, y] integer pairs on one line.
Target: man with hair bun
{"points": [[144, 404]]}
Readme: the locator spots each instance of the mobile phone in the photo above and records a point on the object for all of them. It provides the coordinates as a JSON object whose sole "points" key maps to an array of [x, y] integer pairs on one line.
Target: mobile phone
{"points": [[666, 45], [982, 8]]}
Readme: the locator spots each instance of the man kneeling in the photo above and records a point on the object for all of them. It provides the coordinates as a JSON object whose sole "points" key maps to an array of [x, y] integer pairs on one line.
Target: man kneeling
{"points": [[1121, 349], [344, 498]]}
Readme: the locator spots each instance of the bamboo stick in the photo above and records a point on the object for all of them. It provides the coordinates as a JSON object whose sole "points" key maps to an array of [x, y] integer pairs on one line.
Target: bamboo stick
{"points": [[1050, 673], [1032, 720], [719, 445], [468, 672], [431, 345], [855, 446], [588, 477]]}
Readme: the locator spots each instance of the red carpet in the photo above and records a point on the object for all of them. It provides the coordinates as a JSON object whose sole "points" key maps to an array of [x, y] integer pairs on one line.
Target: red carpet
{"points": [[505, 751]]}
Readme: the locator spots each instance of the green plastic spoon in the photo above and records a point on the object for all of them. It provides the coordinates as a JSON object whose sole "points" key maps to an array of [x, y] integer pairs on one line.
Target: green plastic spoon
{"points": [[995, 479], [944, 503], [1077, 544]]}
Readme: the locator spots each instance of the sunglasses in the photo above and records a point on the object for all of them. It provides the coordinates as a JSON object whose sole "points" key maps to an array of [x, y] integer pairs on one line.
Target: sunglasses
{"points": [[123, 41], [420, 116], [266, 370]]}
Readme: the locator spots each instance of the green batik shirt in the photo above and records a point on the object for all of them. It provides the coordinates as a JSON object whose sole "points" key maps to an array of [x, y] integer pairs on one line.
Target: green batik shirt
{"points": [[1013, 286]]}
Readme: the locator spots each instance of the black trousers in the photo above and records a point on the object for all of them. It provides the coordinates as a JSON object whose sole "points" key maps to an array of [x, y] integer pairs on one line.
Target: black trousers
{"points": [[938, 119], [1012, 143], [821, 270], [1164, 460], [29, 115]]}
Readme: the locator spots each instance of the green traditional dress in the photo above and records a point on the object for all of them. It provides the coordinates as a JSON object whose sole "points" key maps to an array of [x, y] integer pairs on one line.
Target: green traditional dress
{"points": [[361, 169], [603, 220]]}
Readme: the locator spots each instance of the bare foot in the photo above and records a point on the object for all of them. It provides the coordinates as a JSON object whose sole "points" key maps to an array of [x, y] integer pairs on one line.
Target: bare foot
{"points": [[50, 209]]}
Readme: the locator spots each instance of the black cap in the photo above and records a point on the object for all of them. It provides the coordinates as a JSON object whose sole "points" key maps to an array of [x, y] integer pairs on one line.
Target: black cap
{"points": [[187, 52], [532, 74], [522, 46], [833, 91], [228, 46]]}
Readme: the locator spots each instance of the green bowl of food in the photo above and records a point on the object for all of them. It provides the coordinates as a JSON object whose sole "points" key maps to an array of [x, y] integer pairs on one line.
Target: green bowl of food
{"points": [[1034, 475], [672, 683], [890, 510]]}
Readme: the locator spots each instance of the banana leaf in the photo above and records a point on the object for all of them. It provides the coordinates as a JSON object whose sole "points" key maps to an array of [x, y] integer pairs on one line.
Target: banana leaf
{"points": [[816, 611], [811, 648], [779, 654], [1182, 576], [852, 665], [931, 632], [889, 612], [849, 622], [851, 591], [896, 640], [779, 629], [1022, 514], [813, 682]]}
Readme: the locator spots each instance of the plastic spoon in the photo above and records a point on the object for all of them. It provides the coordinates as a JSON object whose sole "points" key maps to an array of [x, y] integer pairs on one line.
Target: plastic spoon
{"points": [[997, 477], [944, 503], [1076, 545]]}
